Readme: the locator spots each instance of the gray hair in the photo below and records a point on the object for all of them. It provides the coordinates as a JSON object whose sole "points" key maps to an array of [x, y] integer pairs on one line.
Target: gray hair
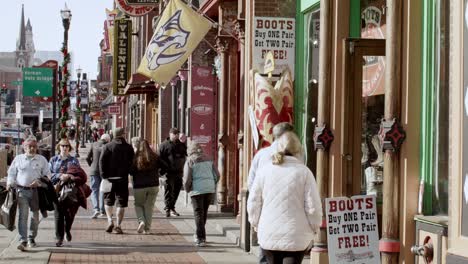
{"points": [[136, 141], [194, 148], [280, 128], [288, 144], [105, 137]]}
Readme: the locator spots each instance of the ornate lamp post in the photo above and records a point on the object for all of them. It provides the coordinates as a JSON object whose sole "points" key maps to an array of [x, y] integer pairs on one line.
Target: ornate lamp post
{"points": [[65, 103], [78, 111]]}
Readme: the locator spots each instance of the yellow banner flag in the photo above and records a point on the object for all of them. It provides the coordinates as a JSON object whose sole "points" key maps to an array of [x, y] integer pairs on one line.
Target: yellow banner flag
{"points": [[109, 29], [177, 34]]}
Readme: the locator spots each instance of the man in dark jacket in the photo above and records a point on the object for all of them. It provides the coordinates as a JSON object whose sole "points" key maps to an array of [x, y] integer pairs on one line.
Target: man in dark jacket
{"points": [[114, 164], [173, 153], [94, 154]]}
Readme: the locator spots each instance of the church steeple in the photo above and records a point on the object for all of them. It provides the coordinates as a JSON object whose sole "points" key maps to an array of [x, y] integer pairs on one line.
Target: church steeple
{"points": [[21, 44]]}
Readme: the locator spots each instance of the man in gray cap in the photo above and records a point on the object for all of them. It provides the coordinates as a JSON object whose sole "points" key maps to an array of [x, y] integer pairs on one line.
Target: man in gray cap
{"points": [[173, 153], [114, 164]]}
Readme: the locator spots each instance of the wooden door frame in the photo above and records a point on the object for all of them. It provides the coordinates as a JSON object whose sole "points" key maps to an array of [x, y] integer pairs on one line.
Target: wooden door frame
{"points": [[354, 50]]}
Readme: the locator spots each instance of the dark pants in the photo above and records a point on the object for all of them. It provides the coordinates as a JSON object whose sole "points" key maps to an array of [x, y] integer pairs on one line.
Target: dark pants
{"points": [[200, 205], [283, 257], [171, 191], [64, 217]]}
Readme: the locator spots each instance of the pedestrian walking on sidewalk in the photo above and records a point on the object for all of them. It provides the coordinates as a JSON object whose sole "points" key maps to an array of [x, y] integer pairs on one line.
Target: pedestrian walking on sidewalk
{"points": [[145, 174], [200, 178], [97, 197], [24, 174], [58, 167], [284, 204], [173, 153], [114, 165], [262, 158]]}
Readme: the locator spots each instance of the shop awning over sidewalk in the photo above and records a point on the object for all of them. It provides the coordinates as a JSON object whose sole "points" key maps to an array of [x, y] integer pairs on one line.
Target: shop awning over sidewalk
{"points": [[140, 84]]}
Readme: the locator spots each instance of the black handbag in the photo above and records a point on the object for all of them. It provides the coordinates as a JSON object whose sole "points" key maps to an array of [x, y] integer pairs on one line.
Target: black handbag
{"points": [[68, 194], [8, 210]]}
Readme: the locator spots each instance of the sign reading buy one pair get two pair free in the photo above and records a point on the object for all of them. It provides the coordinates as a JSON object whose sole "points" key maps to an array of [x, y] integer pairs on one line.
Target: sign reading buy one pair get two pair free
{"points": [[38, 82]]}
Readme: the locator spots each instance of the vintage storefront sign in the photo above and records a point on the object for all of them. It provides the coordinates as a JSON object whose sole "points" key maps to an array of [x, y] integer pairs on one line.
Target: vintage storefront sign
{"points": [[113, 109], [203, 114], [352, 230], [276, 35], [132, 9], [122, 55]]}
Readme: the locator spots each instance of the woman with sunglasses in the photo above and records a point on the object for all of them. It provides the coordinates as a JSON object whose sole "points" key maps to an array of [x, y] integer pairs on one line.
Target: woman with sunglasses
{"points": [[58, 167]]}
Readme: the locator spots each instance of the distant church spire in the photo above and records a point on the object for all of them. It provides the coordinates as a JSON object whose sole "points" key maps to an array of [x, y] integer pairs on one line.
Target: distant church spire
{"points": [[21, 45]]}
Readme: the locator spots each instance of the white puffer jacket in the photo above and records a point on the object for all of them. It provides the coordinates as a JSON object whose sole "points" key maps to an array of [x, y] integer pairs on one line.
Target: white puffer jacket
{"points": [[285, 206]]}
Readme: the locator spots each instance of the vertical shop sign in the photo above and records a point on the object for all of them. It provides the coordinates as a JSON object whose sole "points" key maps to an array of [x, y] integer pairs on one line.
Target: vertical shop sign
{"points": [[122, 53], [352, 230], [203, 113], [276, 35]]}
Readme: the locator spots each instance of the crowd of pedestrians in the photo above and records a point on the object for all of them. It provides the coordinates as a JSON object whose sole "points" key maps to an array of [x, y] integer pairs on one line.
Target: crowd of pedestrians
{"points": [[283, 206]]}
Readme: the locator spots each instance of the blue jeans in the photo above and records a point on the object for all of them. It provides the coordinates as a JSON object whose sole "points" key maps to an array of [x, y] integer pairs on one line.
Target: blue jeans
{"points": [[28, 201], [97, 198]]}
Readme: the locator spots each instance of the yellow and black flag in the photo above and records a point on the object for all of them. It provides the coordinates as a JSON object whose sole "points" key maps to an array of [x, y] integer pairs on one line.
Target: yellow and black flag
{"points": [[177, 34]]}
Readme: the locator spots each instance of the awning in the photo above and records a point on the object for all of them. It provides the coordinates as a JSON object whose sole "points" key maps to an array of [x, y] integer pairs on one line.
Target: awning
{"points": [[140, 84]]}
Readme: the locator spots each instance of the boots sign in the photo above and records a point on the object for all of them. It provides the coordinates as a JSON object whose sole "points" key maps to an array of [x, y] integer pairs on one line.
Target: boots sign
{"points": [[352, 230], [276, 35]]}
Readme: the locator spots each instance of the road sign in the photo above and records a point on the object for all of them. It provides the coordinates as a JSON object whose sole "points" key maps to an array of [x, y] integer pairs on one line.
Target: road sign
{"points": [[37, 82], [17, 83]]}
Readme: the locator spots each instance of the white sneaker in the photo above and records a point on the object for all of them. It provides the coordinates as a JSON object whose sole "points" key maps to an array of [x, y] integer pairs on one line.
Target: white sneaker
{"points": [[95, 215], [141, 227]]}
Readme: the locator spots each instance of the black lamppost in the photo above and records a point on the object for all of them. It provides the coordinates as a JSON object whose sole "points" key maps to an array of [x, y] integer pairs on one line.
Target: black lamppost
{"points": [[65, 103], [78, 111]]}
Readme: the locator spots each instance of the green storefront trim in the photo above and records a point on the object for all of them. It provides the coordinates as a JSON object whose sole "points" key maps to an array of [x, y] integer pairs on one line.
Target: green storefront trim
{"points": [[427, 103], [355, 19], [299, 83]]}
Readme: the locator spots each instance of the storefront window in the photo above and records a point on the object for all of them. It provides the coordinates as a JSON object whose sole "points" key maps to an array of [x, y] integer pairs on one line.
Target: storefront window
{"points": [[311, 71], [441, 107], [373, 19]]}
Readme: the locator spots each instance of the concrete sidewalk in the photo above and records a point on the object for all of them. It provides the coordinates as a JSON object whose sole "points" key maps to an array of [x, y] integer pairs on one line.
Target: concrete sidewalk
{"points": [[171, 241]]}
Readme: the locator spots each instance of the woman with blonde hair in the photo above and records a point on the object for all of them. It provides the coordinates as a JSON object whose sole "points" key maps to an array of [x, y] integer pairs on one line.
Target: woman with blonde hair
{"points": [[200, 178], [284, 204], [145, 172]]}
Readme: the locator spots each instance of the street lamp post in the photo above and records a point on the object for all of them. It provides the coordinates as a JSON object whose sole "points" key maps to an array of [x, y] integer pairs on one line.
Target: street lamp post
{"points": [[65, 103], [78, 111]]}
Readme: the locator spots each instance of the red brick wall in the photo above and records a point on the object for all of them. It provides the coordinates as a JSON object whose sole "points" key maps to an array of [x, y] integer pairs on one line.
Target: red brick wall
{"points": [[275, 8]]}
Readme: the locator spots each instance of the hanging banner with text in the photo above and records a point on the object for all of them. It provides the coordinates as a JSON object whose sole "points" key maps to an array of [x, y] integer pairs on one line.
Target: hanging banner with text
{"points": [[277, 35], [122, 55], [203, 109], [352, 230]]}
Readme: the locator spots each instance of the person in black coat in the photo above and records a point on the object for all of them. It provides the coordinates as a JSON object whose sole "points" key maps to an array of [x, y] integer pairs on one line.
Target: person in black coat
{"points": [[173, 153], [114, 165]]}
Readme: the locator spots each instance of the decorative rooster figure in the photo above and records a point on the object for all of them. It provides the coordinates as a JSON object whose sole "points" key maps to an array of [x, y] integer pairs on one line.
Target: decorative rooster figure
{"points": [[273, 104]]}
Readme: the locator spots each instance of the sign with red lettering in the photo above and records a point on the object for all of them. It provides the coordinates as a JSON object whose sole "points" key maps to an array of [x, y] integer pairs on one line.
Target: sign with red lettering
{"points": [[203, 109], [134, 9], [113, 109], [276, 35], [352, 230]]}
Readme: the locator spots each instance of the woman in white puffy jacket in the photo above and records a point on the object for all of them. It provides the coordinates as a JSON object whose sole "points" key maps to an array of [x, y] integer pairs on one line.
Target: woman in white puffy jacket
{"points": [[284, 204]]}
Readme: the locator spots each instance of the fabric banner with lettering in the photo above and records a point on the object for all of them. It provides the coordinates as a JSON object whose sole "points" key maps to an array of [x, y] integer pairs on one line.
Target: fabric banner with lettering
{"points": [[177, 34], [109, 29]]}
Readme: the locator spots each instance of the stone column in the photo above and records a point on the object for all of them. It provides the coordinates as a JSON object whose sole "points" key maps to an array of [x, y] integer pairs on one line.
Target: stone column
{"points": [[222, 49]]}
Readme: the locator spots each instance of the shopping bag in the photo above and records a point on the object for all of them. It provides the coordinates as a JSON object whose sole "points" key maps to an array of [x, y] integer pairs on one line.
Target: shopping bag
{"points": [[106, 186], [8, 210]]}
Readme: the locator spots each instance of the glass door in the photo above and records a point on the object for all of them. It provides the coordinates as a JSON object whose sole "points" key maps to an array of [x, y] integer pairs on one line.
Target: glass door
{"points": [[364, 106]]}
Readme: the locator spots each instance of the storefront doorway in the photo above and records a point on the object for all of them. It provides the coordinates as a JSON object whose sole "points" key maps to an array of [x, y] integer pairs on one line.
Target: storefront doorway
{"points": [[364, 106]]}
